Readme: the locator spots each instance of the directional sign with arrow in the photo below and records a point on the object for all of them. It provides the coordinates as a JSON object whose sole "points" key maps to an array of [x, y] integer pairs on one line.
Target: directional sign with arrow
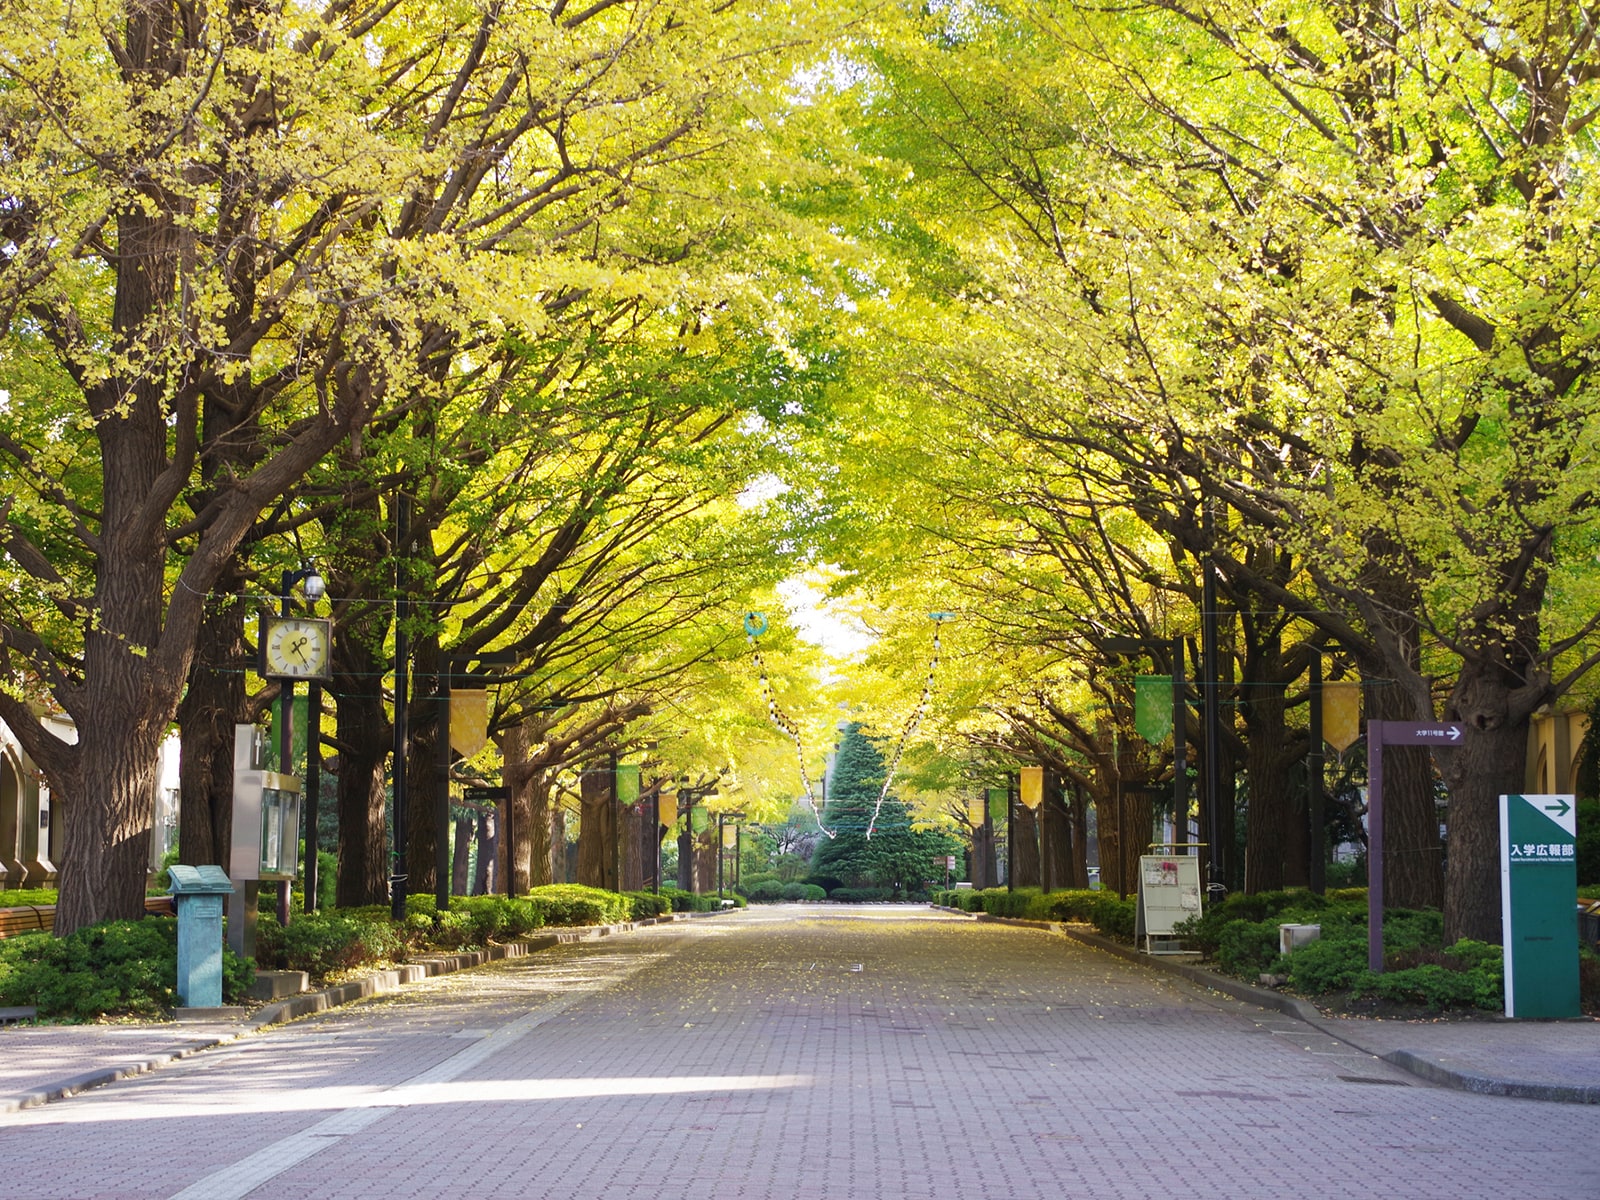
{"points": [[1422, 733], [1538, 879]]}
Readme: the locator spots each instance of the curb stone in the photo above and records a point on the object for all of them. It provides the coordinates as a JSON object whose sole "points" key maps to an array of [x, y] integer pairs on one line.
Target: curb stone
{"points": [[377, 984], [1407, 1060]]}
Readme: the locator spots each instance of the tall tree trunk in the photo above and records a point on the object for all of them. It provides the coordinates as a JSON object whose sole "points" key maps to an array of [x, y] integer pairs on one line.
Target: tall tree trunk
{"points": [[705, 859], [1266, 830], [364, 735], [1413, 859], [1490, 762], [1025, 854], [1055, 835], [558, 845], [630, 834], [597, 832], [214, 702]]}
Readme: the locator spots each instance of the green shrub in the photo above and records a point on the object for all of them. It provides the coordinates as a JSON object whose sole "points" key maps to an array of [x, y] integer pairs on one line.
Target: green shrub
{"points": [[644, 905], [863, 895], [683, 901], [1247, 947], [811, 892], [999, 902], [1113, 917], [340, 940], [768, 891], [118, 967], [1330, 964], [576, 904], [1072, 905]]}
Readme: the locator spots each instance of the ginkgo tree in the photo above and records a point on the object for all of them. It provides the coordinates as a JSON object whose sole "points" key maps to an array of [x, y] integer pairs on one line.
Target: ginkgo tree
{"points": [[233, 237]]}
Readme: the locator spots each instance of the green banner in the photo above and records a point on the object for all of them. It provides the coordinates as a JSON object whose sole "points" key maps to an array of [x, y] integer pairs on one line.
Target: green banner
{"points": [[1538, 881], [1152, 707], [628, 783], [699, 818], [999, 799]]}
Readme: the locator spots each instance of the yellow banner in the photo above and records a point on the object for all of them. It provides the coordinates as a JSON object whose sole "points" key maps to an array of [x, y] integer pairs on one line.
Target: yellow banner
{"points": [[1341, 714], [977, 807], [1032, 786], [469, 721]]}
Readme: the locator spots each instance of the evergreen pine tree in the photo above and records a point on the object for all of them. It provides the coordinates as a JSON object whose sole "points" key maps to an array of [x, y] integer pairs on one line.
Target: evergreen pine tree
{"points": [[898, 858]]}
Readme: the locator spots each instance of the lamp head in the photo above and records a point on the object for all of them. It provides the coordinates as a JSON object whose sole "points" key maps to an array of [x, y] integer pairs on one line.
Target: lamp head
{"points": [[314, 585]]}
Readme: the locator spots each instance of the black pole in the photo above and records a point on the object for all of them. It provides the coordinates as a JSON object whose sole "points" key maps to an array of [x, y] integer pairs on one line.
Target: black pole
{"points": [[1011, 842], [721, 854], [686, 840], [313, 789], [655, 838], [402, 686], [1180, 765], [285, 734], [511, 839], [441, 819], [616, 827], [1314, 768], [1210, 717]]}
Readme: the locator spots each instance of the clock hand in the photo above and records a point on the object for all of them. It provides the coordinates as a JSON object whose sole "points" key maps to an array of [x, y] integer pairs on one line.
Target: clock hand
{"points": [[299, 648]]}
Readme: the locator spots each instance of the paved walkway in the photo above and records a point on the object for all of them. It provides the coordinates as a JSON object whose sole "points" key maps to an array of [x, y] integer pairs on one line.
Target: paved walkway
{"points": [[833, 1053]]}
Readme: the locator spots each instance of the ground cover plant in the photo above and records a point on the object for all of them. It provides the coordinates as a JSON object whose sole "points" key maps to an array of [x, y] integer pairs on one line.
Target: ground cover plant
{"points": [[1240, 937], [17, 897]]}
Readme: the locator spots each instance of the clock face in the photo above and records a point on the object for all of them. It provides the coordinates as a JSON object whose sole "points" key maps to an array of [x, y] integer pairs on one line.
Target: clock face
{"points": [[294, 647]]}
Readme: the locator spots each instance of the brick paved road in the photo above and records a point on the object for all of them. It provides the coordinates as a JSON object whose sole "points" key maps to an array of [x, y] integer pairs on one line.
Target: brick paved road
{"points": [[797, 1052]]}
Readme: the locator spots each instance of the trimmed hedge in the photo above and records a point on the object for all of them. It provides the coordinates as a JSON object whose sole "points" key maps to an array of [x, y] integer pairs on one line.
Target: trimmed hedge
{"points": [[117, 967], [1109, 915]]}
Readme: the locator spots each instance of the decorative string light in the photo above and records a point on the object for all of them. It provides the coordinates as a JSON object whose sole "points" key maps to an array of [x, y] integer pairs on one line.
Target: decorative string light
{"points": [[911, 724], [755, 624]]}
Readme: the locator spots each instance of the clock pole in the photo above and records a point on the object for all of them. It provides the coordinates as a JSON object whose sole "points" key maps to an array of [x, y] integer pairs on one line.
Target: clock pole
{"points": [[285, 733]]}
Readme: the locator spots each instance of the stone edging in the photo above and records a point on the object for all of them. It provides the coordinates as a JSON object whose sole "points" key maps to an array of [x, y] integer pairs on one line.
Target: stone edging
{"points": [[377, 984], [1406, 1060]]}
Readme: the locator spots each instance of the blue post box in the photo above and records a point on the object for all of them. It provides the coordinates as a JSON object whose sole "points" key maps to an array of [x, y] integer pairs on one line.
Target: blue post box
{"points": [[198, 892]]}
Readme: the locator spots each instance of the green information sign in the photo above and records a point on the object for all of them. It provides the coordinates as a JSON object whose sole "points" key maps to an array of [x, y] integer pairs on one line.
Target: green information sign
{"points": [[1538, 889]]}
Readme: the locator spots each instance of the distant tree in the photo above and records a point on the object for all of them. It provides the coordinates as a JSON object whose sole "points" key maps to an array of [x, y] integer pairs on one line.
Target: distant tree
{"points": [[896, 856]]}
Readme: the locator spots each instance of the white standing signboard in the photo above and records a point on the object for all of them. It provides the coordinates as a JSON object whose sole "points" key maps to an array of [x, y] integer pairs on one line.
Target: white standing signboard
{"points": [[1169, 892]]}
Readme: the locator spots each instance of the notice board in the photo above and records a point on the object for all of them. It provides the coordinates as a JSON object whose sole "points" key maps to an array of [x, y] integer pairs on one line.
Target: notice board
{"points": [[1169, 892]]}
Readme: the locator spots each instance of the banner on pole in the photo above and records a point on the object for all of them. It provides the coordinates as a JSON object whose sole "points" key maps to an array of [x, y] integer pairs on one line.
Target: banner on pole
{"points": [[469, 721], [976, 808], [1032, 786], [1341, 714], [1152, 707], [628, 783], [999, 799]]}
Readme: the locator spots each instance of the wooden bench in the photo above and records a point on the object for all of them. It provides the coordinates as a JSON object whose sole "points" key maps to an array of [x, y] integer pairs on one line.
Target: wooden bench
{"points": [[30, 918]]}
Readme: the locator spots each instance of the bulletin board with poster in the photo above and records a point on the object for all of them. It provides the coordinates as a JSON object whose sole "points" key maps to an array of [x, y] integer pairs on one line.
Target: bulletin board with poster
{"points": [[1169, 892]]}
